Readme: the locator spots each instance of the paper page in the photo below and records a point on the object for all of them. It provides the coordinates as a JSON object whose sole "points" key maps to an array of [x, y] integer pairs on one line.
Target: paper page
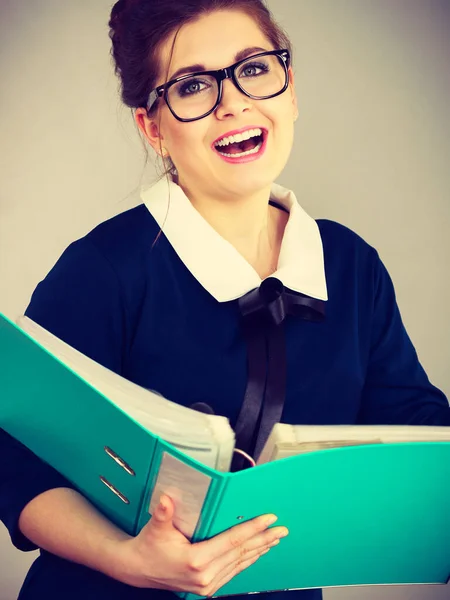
{"points": [[288, 440], [199, 435], [188, 489]]}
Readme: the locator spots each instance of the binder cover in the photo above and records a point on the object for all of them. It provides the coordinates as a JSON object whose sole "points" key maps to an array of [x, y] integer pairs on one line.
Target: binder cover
{"points": [[363, 515]]}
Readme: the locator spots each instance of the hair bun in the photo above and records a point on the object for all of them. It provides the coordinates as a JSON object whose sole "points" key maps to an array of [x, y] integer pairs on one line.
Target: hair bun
{"points": [[119, 10]]}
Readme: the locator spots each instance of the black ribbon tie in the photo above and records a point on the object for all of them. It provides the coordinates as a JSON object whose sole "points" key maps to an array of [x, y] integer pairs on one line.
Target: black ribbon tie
{"points": [[263, 313]]}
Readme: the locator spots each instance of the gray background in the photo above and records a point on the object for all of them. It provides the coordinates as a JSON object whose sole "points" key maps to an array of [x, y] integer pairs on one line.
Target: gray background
{"points": [[372, 151]]}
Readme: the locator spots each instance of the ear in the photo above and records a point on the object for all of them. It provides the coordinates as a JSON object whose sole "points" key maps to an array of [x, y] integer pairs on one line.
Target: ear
{"points": [[293, 93], [150, 128]]}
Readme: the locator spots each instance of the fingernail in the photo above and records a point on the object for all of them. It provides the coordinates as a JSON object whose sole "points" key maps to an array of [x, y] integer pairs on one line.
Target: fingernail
{"points": [[162, 503], [270, 520], [283, 533]]}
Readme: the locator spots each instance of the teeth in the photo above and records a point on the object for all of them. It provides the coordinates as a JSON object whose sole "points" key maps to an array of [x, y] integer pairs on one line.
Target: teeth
{"points": [[240, 137], [240, 154]]}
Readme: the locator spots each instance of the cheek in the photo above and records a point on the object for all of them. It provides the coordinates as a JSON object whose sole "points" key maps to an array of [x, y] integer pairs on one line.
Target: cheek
{"points": [[175, 137], [280, 111], [283, 123], [173, 131], [187, 139]]}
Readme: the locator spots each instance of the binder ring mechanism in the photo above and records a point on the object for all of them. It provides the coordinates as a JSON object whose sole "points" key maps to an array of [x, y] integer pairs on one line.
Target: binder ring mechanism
{"points": [[246, 456], [126, 467], [205, 408]]}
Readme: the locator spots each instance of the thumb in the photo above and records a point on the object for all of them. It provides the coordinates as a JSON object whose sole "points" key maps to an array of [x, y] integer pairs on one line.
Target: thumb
{"points": [[162, 515]]}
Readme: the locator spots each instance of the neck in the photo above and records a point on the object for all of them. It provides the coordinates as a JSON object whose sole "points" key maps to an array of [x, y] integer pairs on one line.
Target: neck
{"points": [[250, 224]]}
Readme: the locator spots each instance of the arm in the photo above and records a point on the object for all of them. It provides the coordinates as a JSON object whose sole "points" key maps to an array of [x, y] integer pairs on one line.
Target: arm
{"points": [[160, 557], [23, 476], [80, 301], [62, 522], [397, 389]]}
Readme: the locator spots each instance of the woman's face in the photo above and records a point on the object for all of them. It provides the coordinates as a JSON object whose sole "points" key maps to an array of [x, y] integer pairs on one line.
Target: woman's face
{"points": [[214, 41]]}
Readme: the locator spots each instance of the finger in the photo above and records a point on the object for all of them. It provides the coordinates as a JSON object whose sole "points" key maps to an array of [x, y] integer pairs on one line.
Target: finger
{"points": [[231, 560], [256, 544], [224, 565], [233, 570], [231, 539], [162, 518]]}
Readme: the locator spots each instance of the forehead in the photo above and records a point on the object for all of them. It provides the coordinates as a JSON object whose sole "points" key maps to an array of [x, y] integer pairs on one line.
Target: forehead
{"points": [[213, 40]]}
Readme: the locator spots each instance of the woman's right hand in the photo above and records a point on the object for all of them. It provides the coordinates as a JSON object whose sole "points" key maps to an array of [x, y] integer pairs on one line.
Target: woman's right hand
{"points": [[161, 557]]}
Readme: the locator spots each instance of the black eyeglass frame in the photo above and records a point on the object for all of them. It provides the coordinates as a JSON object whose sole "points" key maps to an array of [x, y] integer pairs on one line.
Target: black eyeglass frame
{"points": [[220, 75]]}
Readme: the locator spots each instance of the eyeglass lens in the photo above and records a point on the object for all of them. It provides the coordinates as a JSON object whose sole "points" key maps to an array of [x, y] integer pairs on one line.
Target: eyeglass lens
{"points": [[193, 97]]}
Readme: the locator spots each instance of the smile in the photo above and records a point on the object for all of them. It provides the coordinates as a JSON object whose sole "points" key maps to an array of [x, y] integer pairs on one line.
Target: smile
{"points": [[242, 146]]}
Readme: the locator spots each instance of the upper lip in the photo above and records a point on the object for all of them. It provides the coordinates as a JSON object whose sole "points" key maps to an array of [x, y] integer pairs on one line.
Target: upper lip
{"points": [[236, 131]]}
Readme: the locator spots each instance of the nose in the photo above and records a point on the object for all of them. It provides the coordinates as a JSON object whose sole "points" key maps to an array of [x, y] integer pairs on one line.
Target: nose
{"points": [[233, 101]]}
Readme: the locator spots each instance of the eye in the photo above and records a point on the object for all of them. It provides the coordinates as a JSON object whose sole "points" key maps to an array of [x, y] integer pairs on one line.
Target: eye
{"points": [[254, 70], [192, 87]]}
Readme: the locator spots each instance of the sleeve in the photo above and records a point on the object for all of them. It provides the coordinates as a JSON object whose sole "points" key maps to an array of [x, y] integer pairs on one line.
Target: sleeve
{"points": [[80, 302], [397, 389]]}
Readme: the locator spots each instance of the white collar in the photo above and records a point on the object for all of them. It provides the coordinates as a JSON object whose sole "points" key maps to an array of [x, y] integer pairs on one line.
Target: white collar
{"points": [[218, 266]]}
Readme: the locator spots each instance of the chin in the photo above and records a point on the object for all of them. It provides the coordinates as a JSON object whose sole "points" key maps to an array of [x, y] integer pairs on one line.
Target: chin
{"points": [[252, 185], [254, 180]]}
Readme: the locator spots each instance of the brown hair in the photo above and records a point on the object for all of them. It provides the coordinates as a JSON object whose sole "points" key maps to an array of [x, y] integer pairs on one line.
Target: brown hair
{"points": [[138, 28]]}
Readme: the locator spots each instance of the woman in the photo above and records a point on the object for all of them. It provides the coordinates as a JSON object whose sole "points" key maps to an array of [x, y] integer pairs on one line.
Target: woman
{"points": [[161, 293]]}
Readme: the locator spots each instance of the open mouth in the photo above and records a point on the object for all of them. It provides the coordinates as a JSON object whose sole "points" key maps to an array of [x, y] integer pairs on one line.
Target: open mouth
{"points": [[241, 145]]}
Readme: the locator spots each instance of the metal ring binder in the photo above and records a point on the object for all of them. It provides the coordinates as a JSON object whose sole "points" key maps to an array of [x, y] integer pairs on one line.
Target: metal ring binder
{"points": [[245, 455], [119, 461], [114, 490]]}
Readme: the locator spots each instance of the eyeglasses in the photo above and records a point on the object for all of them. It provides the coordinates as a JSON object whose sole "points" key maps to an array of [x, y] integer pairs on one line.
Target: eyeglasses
{"points": [[197, 95]]}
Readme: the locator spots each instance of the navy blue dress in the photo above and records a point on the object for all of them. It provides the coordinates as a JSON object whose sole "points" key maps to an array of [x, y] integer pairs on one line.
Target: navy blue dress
{"points": [[137, 308]]}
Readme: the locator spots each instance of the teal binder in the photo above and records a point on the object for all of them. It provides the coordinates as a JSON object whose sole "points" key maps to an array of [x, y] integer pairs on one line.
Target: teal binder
{"points": [[363, 515]]}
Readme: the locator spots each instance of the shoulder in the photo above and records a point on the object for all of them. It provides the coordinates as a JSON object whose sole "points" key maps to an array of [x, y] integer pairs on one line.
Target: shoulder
{"points": [[335, 235], [118, 246], [124, 236], [106, 263], [89, 297], [352, 265], [342, 244]]}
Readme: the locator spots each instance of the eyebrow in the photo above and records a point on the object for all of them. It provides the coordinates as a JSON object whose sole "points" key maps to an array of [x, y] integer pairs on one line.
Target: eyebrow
{"points": [[199, 67]]}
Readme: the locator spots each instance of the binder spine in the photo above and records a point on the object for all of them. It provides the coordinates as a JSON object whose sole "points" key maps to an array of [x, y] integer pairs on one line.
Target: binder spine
{"points": [[214, 498], [142, 504], [216, 492]]}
